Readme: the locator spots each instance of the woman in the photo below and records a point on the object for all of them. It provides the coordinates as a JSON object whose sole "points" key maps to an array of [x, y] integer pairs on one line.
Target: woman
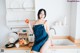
{"points": [[41, 31]]}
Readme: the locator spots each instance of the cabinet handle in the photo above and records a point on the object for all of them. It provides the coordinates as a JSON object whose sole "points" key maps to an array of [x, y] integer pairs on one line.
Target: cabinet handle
{"points": [[2, 50], [53, 51], [27, 51]]}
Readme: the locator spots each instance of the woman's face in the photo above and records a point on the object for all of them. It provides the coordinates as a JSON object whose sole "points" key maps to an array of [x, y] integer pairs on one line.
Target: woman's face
{"points": [[42, 15]]}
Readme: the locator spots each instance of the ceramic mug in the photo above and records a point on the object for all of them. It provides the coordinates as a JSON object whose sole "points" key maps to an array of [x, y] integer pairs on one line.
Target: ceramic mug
{"points": [[17, 45]]}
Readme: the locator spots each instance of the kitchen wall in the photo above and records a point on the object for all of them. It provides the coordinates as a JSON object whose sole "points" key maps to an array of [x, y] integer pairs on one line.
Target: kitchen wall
{"points": [[78, 21], [3, 28], [73, 19], [57, 10]]}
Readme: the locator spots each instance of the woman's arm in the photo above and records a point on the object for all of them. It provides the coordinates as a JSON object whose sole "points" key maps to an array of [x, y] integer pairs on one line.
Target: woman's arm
{"points": [[31, 30], [29, 24], [47, 28]]}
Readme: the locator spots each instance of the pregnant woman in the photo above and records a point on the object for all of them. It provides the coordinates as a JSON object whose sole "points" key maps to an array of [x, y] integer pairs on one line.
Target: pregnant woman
{"points": [[41, 31]]}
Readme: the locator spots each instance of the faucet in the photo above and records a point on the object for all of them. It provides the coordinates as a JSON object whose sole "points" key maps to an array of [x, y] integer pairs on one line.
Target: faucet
{"points": [[53, 29]]}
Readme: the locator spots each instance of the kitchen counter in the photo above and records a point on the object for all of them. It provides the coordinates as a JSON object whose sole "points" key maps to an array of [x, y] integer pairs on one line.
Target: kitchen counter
{"points": [[66, 49], [20, 48], [51, 48]]}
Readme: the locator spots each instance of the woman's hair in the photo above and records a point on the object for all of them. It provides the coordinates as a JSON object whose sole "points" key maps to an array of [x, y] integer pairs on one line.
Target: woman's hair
{"points": [[40, 12]]}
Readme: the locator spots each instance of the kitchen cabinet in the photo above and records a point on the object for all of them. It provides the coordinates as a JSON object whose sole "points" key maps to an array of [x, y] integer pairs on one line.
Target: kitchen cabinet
{"points": [[78, 50], [64, 51], [17, 51], [60, 50], [49, 51]]}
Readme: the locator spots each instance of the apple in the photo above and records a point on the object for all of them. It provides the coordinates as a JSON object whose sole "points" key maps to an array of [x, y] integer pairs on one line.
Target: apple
{"points": [[27, 20]]}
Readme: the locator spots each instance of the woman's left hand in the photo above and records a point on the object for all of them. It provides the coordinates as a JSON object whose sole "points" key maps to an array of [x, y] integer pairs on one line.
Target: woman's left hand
{"points": [[51, 41]]}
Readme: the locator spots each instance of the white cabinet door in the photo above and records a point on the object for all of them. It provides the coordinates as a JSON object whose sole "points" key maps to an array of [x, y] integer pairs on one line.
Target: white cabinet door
{"points": [[78, 50], [17, 51], [14, 3], [66, 51], [50, 51], [28, 4], [19, 3]]}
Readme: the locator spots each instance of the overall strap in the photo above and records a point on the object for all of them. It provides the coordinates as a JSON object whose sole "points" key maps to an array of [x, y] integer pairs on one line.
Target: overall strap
{"points": [[35, 21], [45, 21]]}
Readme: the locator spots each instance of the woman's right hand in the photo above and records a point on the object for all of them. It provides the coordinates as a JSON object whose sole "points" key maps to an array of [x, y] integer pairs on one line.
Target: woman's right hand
{"points": [[27, 21]]}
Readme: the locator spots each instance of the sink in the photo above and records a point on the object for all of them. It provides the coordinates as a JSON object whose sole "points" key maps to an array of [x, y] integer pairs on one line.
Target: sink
{"points": [[62, 42]]}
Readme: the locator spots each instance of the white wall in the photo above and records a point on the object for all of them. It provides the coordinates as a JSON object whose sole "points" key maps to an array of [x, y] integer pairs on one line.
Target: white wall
{"points": [[3, 29], [78, 22], [56, 10], [73, 19]]}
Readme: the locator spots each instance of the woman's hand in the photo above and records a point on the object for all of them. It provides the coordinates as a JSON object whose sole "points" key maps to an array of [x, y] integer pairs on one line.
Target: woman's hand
{"points": [[27, 21], [51, 41]]}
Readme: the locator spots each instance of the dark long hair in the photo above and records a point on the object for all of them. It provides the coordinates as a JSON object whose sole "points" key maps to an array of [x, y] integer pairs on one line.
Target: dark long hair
{"points": [[40, 12]]}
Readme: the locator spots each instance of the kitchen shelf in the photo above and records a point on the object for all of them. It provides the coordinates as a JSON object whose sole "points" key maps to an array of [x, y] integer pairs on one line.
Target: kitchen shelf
{"points": [[18, 20], [24, 9]]}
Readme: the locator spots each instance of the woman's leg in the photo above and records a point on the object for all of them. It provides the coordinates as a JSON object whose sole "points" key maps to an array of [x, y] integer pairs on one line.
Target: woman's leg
{"points": [[45, 46]]}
